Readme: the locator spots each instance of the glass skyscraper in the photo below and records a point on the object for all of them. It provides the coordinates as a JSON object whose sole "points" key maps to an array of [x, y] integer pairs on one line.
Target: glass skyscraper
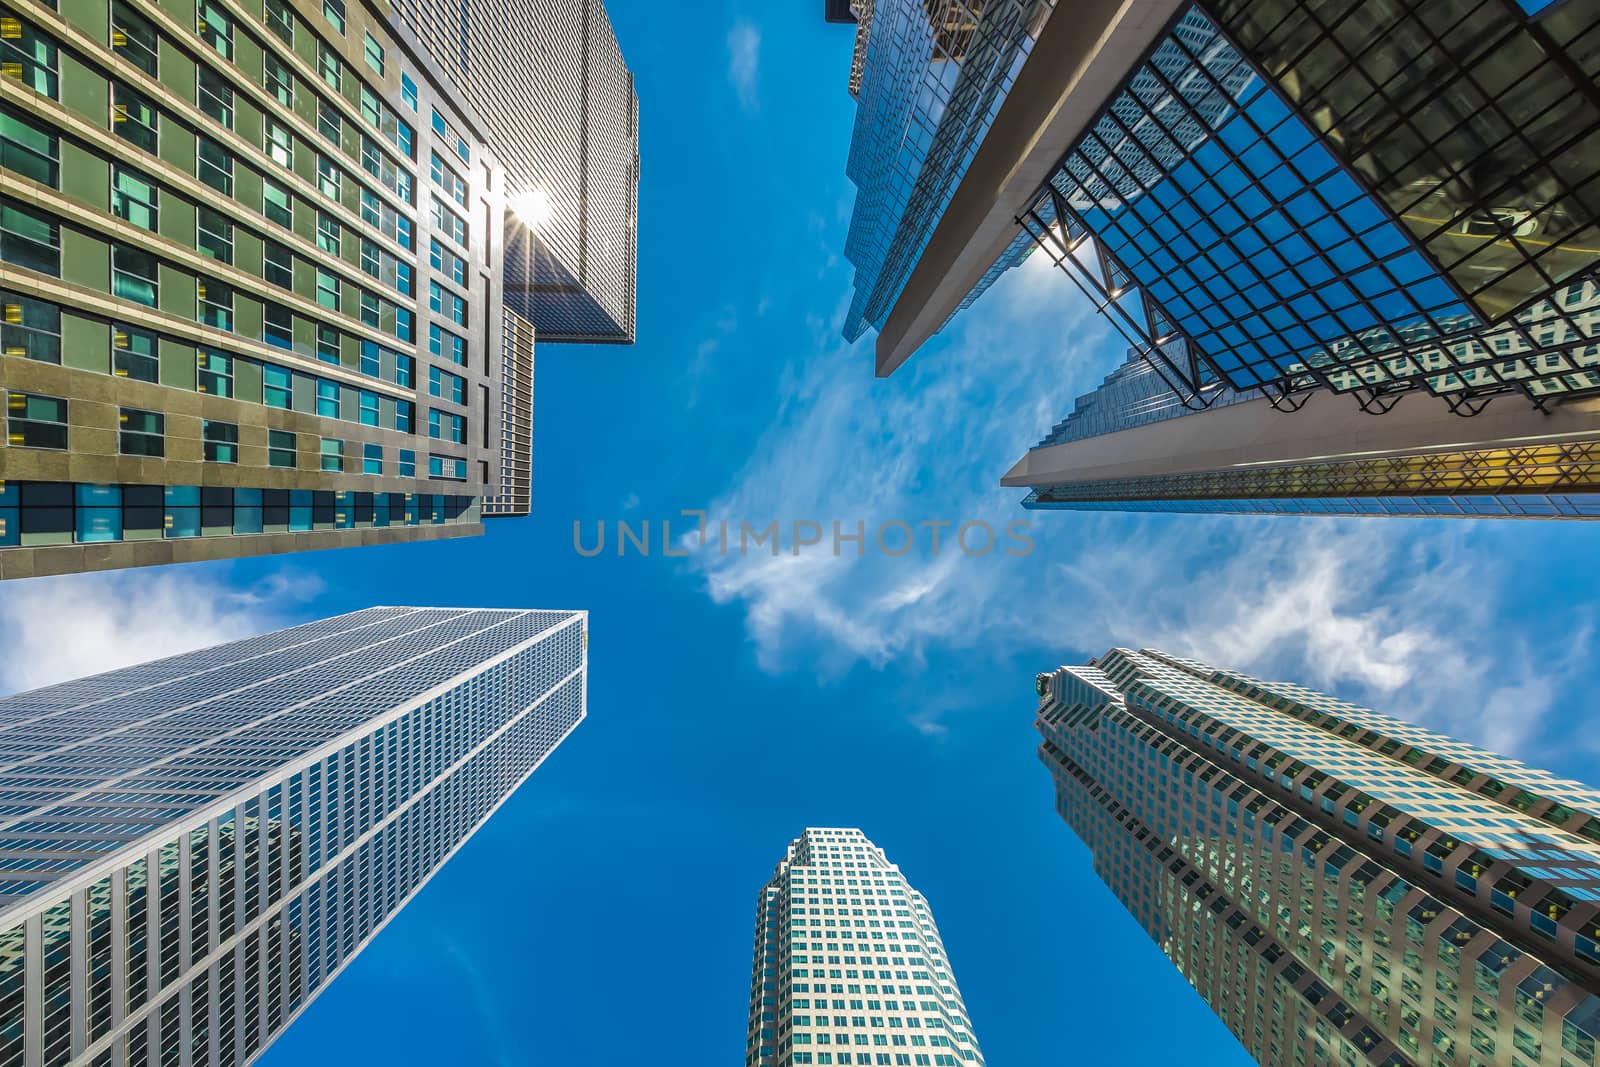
{"points": [[849, 967], [1311, 226], [928, 77], [194, 847], [1340, 886]]}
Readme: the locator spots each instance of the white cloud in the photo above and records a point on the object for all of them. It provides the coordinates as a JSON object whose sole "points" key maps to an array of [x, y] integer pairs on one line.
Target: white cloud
{"points": [[1400, 614], [744, 62], [77, 625]]}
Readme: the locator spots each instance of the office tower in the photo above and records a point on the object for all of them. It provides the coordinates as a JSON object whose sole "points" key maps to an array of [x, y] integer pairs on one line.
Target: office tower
{"points": [[196, 846], [927, 77], [562, 117], [1321, 229], [868, 983], [251, 270], [1341, 887]]}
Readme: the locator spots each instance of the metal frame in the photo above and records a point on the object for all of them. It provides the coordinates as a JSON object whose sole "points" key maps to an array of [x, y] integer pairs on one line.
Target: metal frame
{"points": [[1060, 231]]}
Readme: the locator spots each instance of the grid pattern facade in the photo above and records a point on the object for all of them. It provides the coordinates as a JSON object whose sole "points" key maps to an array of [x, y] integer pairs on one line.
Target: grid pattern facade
{"points": [[849, 967], [929, 77], [1364, 196], [244, 270], [516, 428], [551, 83], [195, 846], [1340, 886]]}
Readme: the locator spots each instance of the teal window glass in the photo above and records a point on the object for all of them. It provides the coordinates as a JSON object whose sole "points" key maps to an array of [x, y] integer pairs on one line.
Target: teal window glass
{"points": [[142, 433]]}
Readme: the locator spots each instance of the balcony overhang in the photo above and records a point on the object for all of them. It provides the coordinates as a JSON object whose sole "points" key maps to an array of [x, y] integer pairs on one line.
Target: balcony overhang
{"points": [[1083, 55]]}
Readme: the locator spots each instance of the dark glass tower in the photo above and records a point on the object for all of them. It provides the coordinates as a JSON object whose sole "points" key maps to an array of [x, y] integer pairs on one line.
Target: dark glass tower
{"points": [[195, 847], [928, 77], [1307, 228], [1341, 887]]}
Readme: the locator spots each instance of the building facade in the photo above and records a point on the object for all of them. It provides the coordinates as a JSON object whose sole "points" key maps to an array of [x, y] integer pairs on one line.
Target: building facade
{"points": [[849, 967], [928, 77], [1326, 233], [249, 287], [253, 269], [563, 118], [1341, 887], [196, 846]]}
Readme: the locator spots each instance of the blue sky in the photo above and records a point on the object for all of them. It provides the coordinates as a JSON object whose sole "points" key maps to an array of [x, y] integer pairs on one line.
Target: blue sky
{"points": [[609, 906]]}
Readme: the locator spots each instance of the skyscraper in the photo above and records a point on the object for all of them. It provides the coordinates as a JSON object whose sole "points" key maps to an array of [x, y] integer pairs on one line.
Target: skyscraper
{"points": [[252, 273], [1411, 240], [1340, 886], [928, 77], [196, 846], [849, 968]]}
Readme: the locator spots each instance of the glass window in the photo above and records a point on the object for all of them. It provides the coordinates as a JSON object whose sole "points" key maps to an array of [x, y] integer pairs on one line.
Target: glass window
{"points": [[279, 144], [30, 328], [134, 198], [214, 235], [404, 415], [221, 440], [408, 463], [328, 177], [216, 303], [216, 28], [327, 290], [35, 421], [408, 91], [329, 67], [328, 344], [278, 81], [276, 386], [142, 432], [134, 118], [371, 110], [277, 326], [327, 398], [332, 454], [214, 95], [134, 353], [369, 408], [99, 514], [277, 264], [405, 370], [276, 204], [444, 426], [333, 11], [30, 58], [132, 37], [371, 361], [214, 372], [134, 276], [403, 279], [447, 386], [371, 309], [281, 448], [406, 139], [329, 122], [328, 233], [182, 517], [28, 150], [374, 54], [371, 459], [279, 19], [404, 327], [29, 239], [214, 165]]}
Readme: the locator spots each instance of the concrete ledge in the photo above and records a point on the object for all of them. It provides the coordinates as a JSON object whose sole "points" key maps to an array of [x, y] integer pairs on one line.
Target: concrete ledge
{"points": [[114, 555]]}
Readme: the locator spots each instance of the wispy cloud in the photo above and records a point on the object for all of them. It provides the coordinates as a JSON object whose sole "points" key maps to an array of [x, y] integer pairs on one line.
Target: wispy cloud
{"points": [[744, 63], [76, 625], [1399, 614]]}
